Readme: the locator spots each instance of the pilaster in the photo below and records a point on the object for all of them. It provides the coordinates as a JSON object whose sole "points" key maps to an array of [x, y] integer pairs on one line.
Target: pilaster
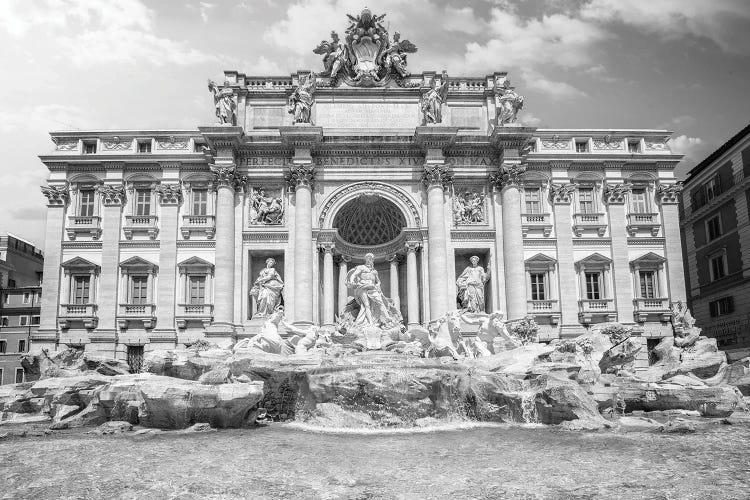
{"points": [[669, 199], [170, 197], [112, 195], [561, 197], [615, 197]]}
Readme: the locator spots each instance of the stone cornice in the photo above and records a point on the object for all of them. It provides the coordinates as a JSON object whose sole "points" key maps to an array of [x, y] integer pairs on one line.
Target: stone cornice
{"points": [[196, 244], [69, 245], [304, 136], [463, 235], [434, 136]]}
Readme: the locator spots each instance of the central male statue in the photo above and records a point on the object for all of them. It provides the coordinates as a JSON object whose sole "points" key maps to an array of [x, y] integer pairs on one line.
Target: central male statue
{"points": [[374, 308]]}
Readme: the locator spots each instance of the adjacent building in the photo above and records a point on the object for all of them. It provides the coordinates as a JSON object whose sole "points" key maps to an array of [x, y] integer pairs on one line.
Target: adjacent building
{"points": [[716, 227], [156, 237], [21, 267]]}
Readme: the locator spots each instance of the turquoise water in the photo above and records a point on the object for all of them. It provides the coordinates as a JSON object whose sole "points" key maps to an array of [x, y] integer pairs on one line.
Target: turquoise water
{"points": [[460, 461]]}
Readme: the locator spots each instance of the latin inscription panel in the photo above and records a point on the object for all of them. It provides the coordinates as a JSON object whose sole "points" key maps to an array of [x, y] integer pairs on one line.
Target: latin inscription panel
{"points": [[367, 115]]}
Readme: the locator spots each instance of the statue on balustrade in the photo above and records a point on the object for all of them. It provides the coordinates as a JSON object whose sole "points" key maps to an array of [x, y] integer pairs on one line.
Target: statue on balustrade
{"points": [[471, 286], [509, 103], [226, 109], [264, 209], [370, 307], [267, 290], [432, 101], [301, 100]]}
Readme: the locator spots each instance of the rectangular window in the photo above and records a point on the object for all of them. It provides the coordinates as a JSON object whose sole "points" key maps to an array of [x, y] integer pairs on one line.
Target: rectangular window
{"points": [[586, 200], [718, 267], [23, 320], [86, 207], [648, 284], [143, 202], [26, 297], [89, 148], [711, 188], [593, 286], [713, 227], [35, 320], [144, 146], [3, 346], [22, 345], [19, 375], [197, 290], [200, 202], [720, 307], [582, 146], [533, 198], [4, 321], [139, 289], [634, 147], [538, 286], [81, 289], [638, 201]]}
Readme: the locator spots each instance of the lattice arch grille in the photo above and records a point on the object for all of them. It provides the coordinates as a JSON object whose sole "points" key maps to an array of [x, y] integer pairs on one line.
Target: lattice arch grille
{"points": [[369, 220]]}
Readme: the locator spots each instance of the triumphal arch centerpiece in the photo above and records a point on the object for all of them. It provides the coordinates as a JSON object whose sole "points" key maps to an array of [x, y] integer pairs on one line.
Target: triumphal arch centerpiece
{"points": [[363, 198]]}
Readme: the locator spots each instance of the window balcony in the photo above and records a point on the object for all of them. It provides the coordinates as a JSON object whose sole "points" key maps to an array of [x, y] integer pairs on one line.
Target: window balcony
{"points": [[145, 313], [539, 222], [589, 221], [198, 224], [85, 313], [88, 225], [643, 221], [147, 224], [194, 312], [588, 308], [548, 308], [645, 309]]}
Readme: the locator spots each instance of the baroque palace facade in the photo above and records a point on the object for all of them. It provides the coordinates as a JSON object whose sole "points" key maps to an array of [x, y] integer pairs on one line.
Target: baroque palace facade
{"points": [[155, 238]]}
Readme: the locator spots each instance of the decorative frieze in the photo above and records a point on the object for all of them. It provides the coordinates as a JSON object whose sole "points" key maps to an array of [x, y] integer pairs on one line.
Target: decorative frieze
{"points": [[65, 145], [607, 143], [112, 195], [616, 193], [300, 175], [56, 195], [437, 174], [265, 237], [508, 175], [170, 194], [656, 146], [561, 193], [669, 193], [171, 143], [117, 144], [473, 235], [555, 143]]}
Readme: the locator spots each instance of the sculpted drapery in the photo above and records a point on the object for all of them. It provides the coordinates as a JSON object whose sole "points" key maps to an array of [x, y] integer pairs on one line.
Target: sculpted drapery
{"points": [[267, 289], [471, 286]]}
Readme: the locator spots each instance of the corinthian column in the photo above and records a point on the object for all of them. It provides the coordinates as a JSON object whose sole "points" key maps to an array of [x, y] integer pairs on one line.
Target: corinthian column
{"points": [[437, 178], [327, 249], [300, 179], [508, 179], [227, 180], [394, 259], [412, 292], [343, 290]]}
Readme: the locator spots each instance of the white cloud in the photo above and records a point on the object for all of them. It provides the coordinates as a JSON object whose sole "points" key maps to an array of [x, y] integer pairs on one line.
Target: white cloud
{"points": [[724, 22], [555, 90], [601, 73], [204, 8], [678, 122], [42, 117], [688, 146], [86, 31], [529, 119]]}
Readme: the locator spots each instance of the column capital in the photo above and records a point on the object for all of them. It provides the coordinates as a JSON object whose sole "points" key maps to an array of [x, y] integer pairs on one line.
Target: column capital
{"points": [[508, 175], [57, 196], [669, 194], [614, 194], [412, 246], [342, 259], [170, 194], [326, 246], [112, 195], [227, 176], [561, 193], [437, 174], [394, 258], [300, 175]]}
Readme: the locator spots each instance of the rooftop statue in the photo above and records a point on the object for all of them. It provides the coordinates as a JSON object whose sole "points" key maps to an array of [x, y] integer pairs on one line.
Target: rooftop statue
{"points": [[508, 104], [301, 100], [432, 101], [226, 109], [368, 56]]}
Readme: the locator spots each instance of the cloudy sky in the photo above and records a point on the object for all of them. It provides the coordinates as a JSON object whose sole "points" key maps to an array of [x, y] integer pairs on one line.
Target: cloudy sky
{"points": [[683, 65]]}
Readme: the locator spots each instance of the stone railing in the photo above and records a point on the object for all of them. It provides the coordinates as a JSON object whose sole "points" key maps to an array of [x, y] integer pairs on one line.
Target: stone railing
{"points": [[141, 223], [137, 309], [194, 312], [658, 305], [596, 305], [268, 83], [85, 313], [647, 221], [536, 221], [541, 306], [84, 224], [467, 85], [583, 221], [198, 223]]}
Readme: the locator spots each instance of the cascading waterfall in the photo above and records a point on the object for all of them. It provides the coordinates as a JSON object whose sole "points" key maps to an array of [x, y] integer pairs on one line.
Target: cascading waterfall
{"points": [[528, 408]]}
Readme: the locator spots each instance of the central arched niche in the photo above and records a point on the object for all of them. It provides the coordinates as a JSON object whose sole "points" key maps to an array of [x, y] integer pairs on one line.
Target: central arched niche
{"points": [[369, 220]]}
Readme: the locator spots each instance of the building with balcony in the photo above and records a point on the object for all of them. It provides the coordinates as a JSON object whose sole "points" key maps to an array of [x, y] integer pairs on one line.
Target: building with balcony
{"points": [[716, 228], [159, 246], [21, 266]]}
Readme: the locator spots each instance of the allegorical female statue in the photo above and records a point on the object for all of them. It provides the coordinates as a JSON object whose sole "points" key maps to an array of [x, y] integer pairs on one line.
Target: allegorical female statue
{"points": [[374, 308], [433, 99], [267, 289], [301, 100], [471, 286], [224, 103]]}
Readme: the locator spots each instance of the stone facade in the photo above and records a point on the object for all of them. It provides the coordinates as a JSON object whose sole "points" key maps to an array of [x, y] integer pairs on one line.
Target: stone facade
{"points": [[157, 242], [716, 229]]}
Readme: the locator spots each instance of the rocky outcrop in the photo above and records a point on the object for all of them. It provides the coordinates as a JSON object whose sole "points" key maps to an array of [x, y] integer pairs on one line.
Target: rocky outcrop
{"points": [[702, 360]]}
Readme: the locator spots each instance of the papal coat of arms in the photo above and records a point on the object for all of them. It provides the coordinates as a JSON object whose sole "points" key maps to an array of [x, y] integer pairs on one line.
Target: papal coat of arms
{"points": [[368, 56]]}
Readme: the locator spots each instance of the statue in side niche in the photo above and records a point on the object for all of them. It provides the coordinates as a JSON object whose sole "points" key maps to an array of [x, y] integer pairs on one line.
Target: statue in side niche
{"points": [[508, 103], [226, 109], [267, 289], [471, 286], [301, 100], [432, 101]]}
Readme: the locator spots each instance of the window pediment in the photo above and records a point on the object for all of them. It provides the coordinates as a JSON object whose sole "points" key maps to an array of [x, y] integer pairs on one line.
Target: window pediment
{"points": [[650, 259], [540, 261], [135, 264], [594, 261], [80, 264], [196, 264]]}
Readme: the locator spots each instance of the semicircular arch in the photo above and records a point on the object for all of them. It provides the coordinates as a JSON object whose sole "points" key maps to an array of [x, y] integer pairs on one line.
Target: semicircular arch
{"points": [[342, 196]]}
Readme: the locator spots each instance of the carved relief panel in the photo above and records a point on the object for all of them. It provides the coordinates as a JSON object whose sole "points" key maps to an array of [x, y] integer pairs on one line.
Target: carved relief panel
{"points": [[469, 207], [266, 206]]}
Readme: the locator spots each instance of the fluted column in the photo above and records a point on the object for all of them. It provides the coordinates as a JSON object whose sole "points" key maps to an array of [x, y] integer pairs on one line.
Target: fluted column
{"points": [[394, 259], [327, 249], [300, 179], [412, 290], [508, 179], [343, 290], [227, 180], [437, 177]]}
